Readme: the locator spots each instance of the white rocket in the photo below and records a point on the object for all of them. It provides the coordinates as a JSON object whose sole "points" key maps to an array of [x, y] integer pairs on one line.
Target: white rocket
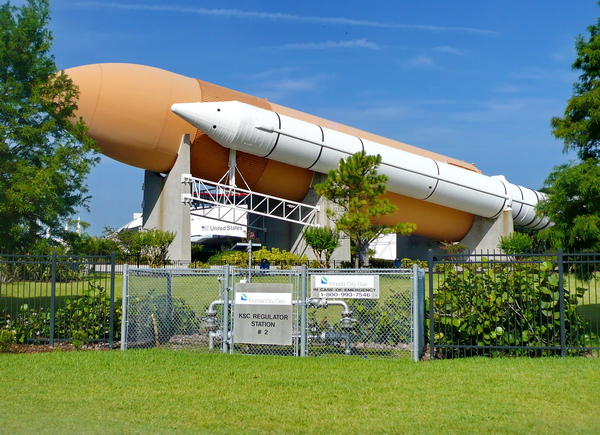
{"points": [[275, 136]]}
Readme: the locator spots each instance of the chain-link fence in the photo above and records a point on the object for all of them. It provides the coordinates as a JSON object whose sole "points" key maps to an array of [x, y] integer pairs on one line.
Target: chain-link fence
{"points": [[298, 312]]}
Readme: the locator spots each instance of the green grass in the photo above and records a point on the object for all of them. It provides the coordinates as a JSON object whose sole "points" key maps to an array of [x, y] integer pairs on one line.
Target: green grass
{"points": [[181, 392]]}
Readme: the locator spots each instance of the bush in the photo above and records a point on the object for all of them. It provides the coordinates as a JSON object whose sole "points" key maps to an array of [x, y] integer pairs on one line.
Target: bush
{"points": [[275, 257], [517, 305], [387, 323], [89, 313], [516, 243], [7, 338], [408, 263], [78, 339], [157, 317]]}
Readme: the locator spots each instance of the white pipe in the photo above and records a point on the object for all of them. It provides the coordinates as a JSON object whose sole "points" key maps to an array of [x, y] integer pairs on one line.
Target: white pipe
{"points": [[268, 134]]}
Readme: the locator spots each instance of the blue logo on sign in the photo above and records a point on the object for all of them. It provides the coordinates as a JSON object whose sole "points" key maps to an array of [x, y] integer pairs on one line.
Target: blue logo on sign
{"points": [[244, 297], [323, 280]]}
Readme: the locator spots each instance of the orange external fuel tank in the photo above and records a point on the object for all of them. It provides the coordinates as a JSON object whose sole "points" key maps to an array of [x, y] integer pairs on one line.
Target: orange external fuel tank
{"points": [[128, 111]]}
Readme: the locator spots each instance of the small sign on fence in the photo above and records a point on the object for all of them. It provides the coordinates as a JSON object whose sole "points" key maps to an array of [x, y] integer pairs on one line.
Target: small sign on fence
{"points": [[263, 314], [345, 286]]}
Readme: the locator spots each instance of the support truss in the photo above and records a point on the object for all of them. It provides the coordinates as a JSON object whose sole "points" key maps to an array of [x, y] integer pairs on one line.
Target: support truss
{"points": [[232, 204]]}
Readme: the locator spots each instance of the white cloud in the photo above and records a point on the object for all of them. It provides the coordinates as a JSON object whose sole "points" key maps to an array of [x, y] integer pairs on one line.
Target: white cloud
{"points": [[540, 74], [452, 50], [355, 43], [274, 16], [420, 60]]}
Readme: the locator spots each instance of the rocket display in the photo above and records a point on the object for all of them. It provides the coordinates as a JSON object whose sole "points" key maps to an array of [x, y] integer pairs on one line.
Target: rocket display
{"points": [[137, 115]]}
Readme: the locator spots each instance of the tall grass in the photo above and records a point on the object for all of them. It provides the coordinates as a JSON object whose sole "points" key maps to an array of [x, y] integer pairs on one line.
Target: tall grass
{"points": [[156, 391]]}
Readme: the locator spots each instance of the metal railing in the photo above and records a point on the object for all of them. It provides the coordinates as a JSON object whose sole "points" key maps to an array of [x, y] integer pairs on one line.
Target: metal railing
{"points": [[45, 298], [495, 304]]}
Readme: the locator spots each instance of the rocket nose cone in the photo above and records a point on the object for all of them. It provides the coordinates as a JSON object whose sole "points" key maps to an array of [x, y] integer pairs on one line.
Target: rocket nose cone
{"points": [[219, 120], [186, 111], [200, 115]]}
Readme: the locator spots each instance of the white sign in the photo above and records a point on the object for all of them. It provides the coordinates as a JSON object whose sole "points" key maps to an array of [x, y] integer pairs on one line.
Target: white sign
{"points": [[345, 286], [256, 298], [206, 225], [262, 314]]}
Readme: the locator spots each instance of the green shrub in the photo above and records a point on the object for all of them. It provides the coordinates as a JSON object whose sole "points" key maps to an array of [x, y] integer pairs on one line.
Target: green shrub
{"points": [[7, 339], [78, 339], [516, 243], [29, 323], [408, 263], [381, 263], [171, 316], [275, 257], [89, 313], [387, 323], [517, 305]]}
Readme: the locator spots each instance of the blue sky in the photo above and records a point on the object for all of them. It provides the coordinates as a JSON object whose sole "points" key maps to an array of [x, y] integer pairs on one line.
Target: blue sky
{"points": [[474, 80]]}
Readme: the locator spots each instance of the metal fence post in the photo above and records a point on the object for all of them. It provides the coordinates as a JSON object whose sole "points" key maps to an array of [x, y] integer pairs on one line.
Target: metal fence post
{"points": [[303, 311], [53, 299], [561, 292], [418, 320], [124, 316], [111, 334], [416, 328], [225, 310], [431, 328]]}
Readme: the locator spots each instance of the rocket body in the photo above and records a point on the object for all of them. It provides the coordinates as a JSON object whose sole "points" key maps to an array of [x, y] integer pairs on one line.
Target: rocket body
{"points": [[271, 135], [128, 111]]}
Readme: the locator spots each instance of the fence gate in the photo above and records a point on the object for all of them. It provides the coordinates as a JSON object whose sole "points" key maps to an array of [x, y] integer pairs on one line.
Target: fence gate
{"points": [[302, 312]]}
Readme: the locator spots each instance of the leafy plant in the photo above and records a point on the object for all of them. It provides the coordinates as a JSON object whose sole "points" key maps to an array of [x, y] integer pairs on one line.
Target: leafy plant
{"points": [[78, 339], [7, 339], [407, 263], [517, 305], [323, 241], [156, 312], [30, 324], [275, 256], [89, 313], [387, 323], [516, 243]]}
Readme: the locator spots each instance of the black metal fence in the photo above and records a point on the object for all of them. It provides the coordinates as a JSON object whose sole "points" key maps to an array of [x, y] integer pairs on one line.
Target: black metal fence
{"points": [[492, 304], [45, 298]]}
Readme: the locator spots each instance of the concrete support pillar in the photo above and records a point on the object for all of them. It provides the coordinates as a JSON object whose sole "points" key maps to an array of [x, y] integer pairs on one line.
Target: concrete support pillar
{"points": [[485, 233], [298, 245], [162, 207]]}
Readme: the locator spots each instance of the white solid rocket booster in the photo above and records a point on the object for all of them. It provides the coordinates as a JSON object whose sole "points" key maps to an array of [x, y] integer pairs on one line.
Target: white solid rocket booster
{"points": [[268, 134]]}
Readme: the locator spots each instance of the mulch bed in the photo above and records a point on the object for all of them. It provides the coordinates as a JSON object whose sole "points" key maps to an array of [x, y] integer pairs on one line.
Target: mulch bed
{"points": [[58, 347]]}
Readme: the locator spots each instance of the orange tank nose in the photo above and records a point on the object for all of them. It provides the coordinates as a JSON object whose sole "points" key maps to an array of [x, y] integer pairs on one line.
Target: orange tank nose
{"points": [[127, 109]]}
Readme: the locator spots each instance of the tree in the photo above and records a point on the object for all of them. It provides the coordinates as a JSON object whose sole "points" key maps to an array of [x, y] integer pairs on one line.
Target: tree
{"points": [[45, 154], [579, 128], [357, 189], [573, 205], [152, 245], [573, 202], [516, 243], [323, 241]]}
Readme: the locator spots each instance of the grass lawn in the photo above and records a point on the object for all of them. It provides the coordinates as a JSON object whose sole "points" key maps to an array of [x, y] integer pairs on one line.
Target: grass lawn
{"points": [[158, 391]]}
